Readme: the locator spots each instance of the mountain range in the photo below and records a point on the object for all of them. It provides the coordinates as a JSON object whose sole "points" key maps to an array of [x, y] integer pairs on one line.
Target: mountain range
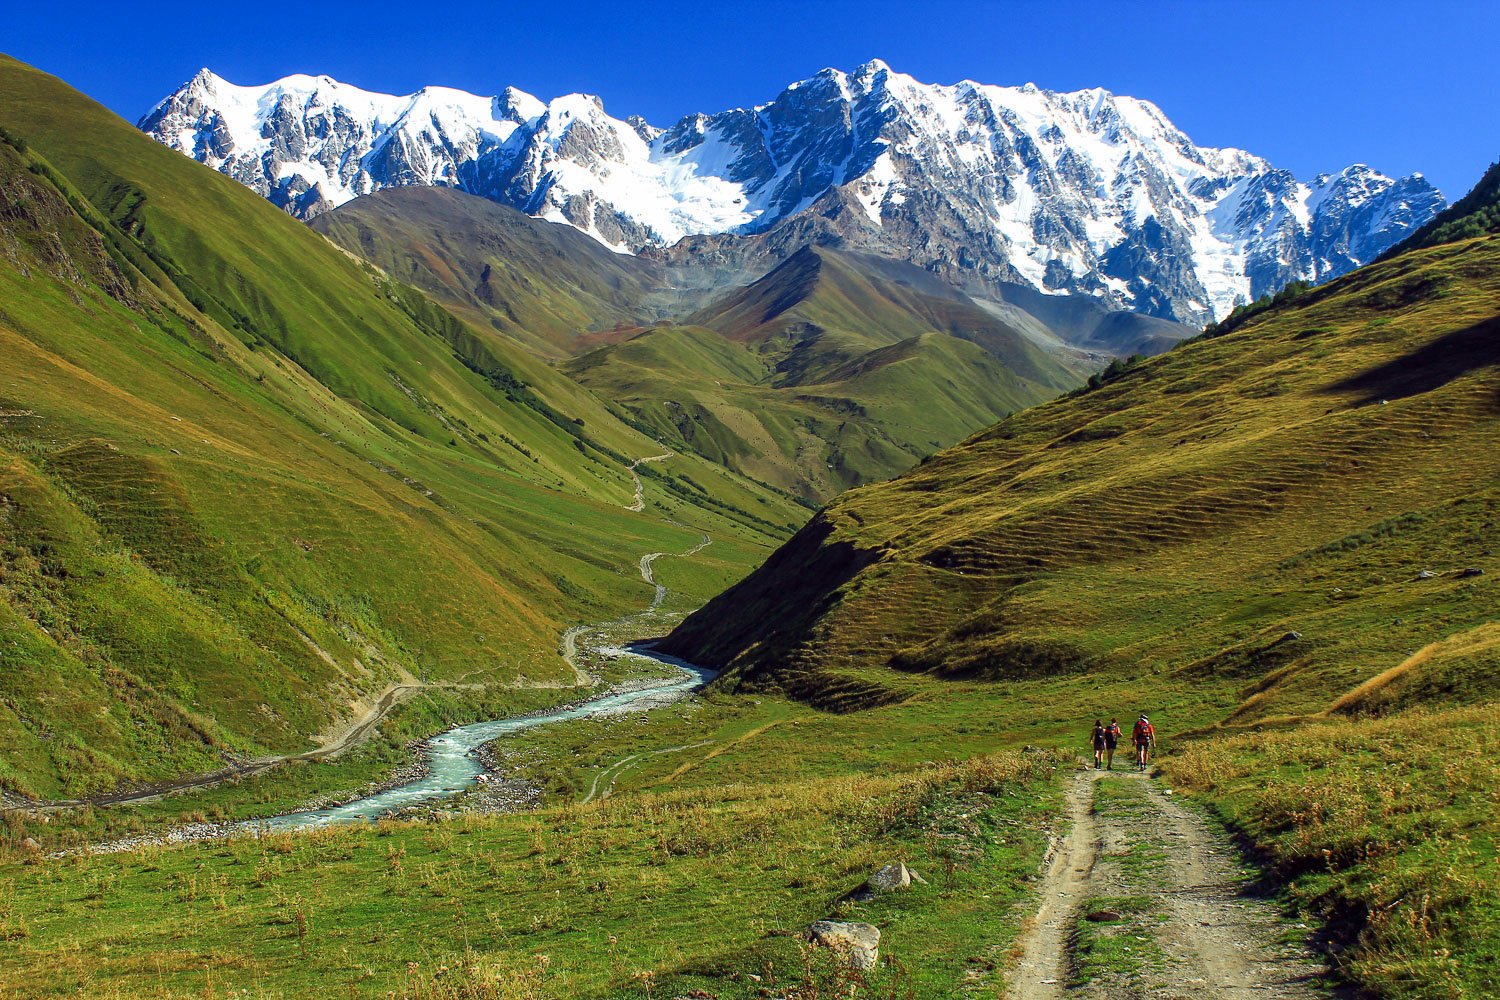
{"points": [[1080, 193]]}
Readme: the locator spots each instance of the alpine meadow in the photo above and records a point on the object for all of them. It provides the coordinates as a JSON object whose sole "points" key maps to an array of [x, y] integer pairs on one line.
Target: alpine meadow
{"points": [[887, 540]]}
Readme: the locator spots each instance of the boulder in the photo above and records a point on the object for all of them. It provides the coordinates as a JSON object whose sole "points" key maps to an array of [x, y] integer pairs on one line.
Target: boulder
{"points": [[858, 943], [892, 878], [1464, 574]]}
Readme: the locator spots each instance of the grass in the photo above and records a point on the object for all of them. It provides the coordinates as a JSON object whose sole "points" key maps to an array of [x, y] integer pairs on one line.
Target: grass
{"points": [[517, 279], [1384, 832], [696, 389], [684, 890], [1119, 949]]}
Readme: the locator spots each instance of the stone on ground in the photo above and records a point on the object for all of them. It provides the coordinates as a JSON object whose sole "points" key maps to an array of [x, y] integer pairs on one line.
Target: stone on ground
{"points": [[859, 943]]}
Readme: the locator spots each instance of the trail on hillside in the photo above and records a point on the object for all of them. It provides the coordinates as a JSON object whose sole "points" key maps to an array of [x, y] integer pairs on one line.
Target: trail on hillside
{"points": [[647, 564], [1142, 900], [603, 785], [639, 503]]}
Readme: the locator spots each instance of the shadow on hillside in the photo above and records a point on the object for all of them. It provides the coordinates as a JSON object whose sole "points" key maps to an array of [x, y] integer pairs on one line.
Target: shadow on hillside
{"points": [[1430, 366]]}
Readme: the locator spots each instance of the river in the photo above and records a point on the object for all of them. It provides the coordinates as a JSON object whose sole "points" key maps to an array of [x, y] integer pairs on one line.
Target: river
{"points": [[451, 759]]}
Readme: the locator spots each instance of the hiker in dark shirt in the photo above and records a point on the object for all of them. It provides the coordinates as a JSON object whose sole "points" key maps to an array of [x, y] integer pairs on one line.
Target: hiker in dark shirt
{"points": [[1112, 735], [1099, 743]]}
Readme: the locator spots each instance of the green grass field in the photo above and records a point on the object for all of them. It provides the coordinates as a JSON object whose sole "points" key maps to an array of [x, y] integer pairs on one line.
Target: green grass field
{"points": [[652, 895]]}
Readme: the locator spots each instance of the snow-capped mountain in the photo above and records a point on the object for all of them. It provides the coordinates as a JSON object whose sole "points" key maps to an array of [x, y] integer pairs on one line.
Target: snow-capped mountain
{"points": [[1081, 192]]}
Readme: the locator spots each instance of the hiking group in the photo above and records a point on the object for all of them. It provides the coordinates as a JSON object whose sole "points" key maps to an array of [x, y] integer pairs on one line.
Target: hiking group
{"points": [[1107, 738]]}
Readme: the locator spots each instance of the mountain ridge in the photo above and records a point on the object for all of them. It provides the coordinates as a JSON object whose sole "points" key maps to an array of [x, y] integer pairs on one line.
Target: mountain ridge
{"points": [[1081, 192]]}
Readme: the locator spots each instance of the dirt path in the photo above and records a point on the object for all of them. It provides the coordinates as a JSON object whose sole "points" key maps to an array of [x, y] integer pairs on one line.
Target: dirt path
{"points": [[603, 784], [640, 487], [570, 639], [1142, 899]]}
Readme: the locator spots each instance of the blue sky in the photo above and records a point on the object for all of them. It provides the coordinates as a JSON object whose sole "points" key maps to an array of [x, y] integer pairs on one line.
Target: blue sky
{"points": [[1312, 86]]}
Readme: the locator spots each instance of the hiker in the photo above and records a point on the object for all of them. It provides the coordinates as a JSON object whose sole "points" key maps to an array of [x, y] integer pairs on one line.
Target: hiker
{"points": [[1144, 738], [1099, 742], [1111, 740]]}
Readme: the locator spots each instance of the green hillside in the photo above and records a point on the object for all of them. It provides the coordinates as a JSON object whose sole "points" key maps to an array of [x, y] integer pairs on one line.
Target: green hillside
{"points": [[1296, 475], [544, 285], [831, 371], [821, 309], [247, 483], [867, 419]]}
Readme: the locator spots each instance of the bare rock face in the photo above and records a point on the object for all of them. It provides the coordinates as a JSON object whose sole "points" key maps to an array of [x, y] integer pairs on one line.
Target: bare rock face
{"points": [[1084, 193], [858, 943]]}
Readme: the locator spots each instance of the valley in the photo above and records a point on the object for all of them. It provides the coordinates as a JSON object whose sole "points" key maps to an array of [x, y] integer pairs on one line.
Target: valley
{"points": [[829, 371], [472, 548]]}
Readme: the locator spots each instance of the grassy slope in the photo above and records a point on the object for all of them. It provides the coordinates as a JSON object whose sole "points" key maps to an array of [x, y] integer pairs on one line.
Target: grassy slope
{"points": [[1295, 475], [830, 373], [821, 309], [246, 482], [542, 284], [874, 416]]}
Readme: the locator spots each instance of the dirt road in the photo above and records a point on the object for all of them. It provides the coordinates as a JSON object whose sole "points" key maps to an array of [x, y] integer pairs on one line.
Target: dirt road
{"points": [[1142, 899]]}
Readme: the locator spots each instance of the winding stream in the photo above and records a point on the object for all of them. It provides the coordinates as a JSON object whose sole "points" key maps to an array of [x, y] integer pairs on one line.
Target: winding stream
{"points": [[450, 759]]}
